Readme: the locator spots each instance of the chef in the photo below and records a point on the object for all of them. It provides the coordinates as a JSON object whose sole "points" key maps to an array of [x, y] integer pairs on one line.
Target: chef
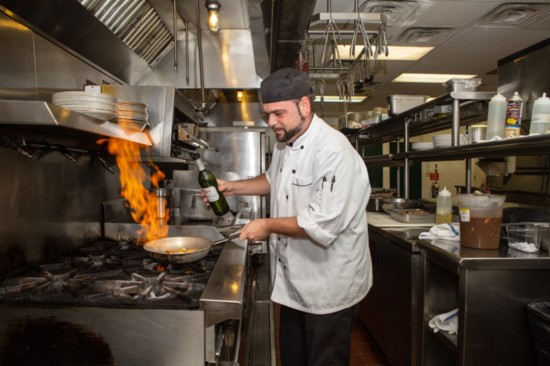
{"points": [[320, 260]]}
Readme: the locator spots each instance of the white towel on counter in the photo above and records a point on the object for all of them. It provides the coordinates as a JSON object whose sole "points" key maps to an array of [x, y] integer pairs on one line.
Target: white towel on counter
{"points": [[442, 231], [447, 322]]}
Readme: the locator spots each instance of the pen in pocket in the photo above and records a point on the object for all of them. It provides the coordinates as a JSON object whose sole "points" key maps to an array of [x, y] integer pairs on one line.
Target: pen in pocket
{"points": [[332, 183]]}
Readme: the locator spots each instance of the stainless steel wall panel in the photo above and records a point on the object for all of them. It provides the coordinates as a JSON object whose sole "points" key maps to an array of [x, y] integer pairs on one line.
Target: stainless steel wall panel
{"points": [[242, 152], [138, 337], [32, 67], [57, 70], [17, 79], [49, 206], [71, 25], [228, 63]]}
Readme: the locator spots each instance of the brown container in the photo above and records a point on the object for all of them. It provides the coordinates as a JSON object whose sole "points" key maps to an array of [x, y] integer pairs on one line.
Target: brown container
{"points": [[480, 220]]}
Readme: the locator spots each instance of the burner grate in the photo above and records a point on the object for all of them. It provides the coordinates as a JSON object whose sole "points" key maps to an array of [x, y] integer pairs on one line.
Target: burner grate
{"points": [[108, 273]]}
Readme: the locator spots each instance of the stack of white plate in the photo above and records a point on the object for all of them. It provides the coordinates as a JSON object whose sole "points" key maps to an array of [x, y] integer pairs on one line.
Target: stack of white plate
{"points": [[420, 146], [132, 114], [97, 105], [446, 140], [442, 140]]}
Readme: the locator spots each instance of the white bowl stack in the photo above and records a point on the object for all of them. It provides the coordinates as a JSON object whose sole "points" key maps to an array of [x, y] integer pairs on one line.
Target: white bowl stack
{"points": [[421, 146]]}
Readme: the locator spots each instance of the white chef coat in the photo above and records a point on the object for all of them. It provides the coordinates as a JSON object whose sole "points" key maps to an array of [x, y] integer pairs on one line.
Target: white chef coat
{"points": [[322, 181]]}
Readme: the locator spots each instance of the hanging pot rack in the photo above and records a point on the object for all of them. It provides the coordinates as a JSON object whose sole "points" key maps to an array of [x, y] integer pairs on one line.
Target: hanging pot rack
{"points": [[329, 30]]}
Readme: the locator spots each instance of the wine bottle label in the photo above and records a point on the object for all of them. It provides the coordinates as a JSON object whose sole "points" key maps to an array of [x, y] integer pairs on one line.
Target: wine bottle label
{"points": [[211, 194]]}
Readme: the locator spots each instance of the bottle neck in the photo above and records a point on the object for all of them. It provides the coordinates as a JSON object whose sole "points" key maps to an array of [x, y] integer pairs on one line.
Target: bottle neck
{"points": [[200, 165]]}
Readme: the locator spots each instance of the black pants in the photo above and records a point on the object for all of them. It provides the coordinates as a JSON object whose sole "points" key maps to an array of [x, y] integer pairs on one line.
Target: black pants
{"points": [[316, 340]]}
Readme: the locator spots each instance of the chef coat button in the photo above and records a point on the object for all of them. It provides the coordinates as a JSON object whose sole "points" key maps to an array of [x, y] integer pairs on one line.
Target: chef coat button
{"points": [[293, 171], [302, 147], [284, 267], [281, 169], [279, 259], [287, 196]]}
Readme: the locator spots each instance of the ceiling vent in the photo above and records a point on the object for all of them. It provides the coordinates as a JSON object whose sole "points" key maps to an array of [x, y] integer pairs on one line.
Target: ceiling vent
{"points": [[517, 15], [135, 23], [429, 37], [395, 11]]}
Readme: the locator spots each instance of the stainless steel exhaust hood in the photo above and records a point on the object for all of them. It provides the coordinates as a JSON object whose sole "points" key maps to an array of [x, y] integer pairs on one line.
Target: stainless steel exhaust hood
{"points": [[134, 40]]}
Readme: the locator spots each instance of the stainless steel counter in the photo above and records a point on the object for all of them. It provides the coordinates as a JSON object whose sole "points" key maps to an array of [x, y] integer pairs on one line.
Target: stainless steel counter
{"points": [[455, 256], [390, 311], [415, 280], [491, 290]]}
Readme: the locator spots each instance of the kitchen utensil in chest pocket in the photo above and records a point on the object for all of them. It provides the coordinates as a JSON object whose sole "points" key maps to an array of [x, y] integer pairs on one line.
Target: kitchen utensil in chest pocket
{"points": [[300, 176]]}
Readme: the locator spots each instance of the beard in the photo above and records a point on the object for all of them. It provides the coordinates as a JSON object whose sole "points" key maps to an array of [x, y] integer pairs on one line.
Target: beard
{"points": [[293, 132]]}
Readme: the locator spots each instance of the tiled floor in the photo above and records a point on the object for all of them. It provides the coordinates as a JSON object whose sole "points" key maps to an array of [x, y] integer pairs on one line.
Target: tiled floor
{"points": [[364, 350]]}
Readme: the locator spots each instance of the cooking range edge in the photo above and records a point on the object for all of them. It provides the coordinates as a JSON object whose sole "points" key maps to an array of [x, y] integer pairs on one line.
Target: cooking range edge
{"points": [[123, 306]]}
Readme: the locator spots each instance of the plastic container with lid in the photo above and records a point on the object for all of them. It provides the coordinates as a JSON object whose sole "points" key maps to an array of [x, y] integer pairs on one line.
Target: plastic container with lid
{"points": [[540, 118], [496, 117], [480, 220], [444, 207]]}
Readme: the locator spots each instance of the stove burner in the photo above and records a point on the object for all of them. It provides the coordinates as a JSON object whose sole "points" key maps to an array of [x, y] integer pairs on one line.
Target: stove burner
{"points": [[142, 289], [67, 282], [112, 274]]}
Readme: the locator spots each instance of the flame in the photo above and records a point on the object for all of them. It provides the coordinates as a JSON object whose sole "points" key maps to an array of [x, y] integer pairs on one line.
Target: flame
{"points": [[142, 202]]}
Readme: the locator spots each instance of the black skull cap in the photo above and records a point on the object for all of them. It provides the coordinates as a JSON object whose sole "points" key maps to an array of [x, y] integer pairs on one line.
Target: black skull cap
{"points": [[285, 84]]}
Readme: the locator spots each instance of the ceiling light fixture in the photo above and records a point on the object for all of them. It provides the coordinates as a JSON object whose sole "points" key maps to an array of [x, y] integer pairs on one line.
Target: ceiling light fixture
{"points": [[428, 78], [213, 8], [338, 99], [397, 53]]}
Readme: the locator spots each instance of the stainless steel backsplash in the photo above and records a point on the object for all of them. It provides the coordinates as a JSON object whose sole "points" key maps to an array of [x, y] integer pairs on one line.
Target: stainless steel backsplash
{"points": [[48, 205]]}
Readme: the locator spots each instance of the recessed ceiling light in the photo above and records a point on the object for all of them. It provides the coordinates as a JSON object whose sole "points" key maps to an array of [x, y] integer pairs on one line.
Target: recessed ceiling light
{"points": [[336, 98], [396, 53], [428, 78]]}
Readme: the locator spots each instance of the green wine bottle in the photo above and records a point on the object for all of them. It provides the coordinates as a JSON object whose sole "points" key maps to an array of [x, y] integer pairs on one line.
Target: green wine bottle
{"points": [[209, 184]]}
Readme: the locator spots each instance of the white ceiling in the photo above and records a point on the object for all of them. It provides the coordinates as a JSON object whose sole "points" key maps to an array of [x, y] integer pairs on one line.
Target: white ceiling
{"points": [[469, 46]]}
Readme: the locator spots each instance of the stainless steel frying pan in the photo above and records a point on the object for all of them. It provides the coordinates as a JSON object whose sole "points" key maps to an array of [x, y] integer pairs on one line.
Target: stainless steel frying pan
{"points": [[183, 249]]}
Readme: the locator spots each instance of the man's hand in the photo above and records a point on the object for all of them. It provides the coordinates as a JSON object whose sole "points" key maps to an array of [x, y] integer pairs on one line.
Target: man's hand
{"points": [[255, 230]]}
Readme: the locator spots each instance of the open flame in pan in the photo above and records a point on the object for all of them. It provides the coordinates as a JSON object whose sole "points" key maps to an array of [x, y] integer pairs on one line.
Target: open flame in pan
{"points": [[142, 202]]}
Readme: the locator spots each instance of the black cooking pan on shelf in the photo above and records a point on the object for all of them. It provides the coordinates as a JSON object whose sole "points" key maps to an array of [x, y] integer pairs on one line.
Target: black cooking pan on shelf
{"points": [[183, 249]]}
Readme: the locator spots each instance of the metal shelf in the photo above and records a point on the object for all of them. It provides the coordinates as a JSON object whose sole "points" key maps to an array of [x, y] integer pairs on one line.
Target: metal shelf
{"points": [[513, 146], [39, 113], [516, 146], [468, 107], [472, 110]]}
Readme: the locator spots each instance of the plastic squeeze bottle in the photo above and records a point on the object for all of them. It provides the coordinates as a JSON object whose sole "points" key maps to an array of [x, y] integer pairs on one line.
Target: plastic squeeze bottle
{"points": [[444, 207], [540, 118], [496, 117]]}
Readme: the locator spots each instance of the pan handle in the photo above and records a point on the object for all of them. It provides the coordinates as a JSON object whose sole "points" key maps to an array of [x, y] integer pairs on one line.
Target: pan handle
{"points": [[229, 237]]}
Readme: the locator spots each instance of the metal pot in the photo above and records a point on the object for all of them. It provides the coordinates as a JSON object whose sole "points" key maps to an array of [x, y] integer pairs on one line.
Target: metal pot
{"points": [[196, 248], [192, 205], [377, 198], [375, 204]]}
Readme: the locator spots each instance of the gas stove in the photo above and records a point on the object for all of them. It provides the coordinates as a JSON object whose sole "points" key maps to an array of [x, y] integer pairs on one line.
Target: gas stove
{"points": [[143, 312], [112, 274]]}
